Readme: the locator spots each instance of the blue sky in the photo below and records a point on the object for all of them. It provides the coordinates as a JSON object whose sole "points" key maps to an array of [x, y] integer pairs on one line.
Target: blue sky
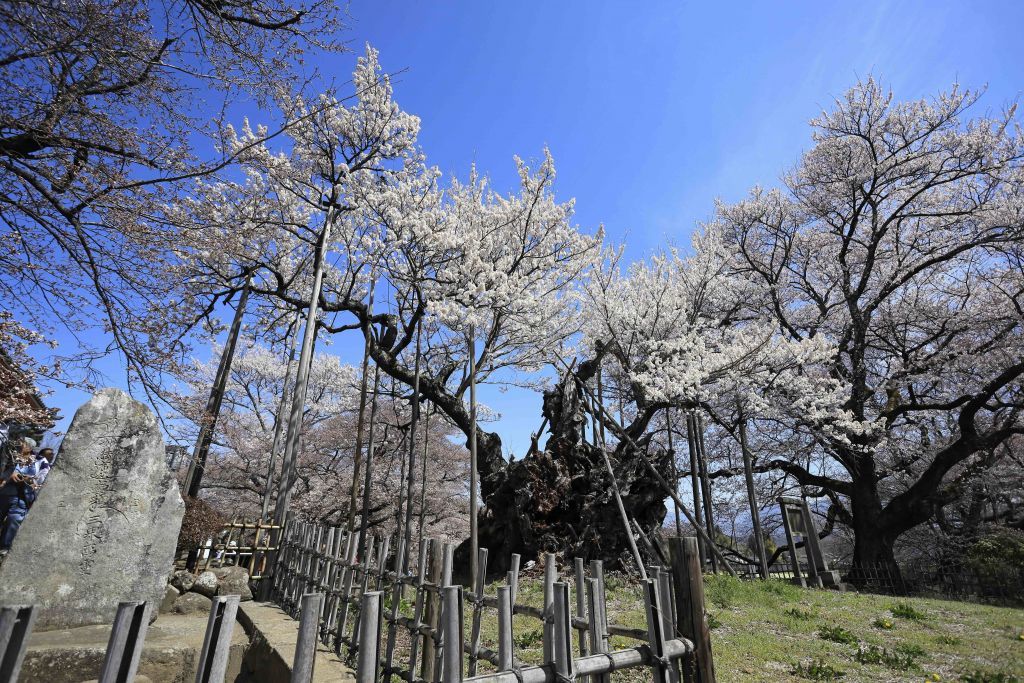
{"points": [[653, 110]]}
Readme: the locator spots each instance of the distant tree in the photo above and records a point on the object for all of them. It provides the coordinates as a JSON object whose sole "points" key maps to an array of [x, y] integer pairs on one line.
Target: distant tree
{"points": [[898, 241]]}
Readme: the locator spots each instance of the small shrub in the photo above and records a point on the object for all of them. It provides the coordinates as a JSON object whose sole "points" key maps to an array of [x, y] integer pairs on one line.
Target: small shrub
{"points": [[797, 613], [199, 523], [837, 634], [904, 610], [528, 639], [989, 677], [947, 640], [911, 650], [818, 670], [896, 661], [885, 624], [713, 621], [724, 591]]}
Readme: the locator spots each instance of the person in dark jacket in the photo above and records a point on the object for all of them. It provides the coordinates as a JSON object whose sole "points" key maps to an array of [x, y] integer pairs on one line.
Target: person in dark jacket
{"points": [[18, 485]]}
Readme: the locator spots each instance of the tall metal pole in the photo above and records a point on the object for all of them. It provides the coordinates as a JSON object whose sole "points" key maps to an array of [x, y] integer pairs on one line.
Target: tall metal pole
{"points": [[364, 518], [291, 448], [755, 512], [358, 456], [279, 423], [474, 538], [197, 467]]}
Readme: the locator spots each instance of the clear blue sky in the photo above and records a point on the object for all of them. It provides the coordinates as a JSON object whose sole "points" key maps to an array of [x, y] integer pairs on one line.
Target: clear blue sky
{"points": [[652, 110]]}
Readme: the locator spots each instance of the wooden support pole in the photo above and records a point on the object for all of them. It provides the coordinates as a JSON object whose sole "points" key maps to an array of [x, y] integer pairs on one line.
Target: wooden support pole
{"points": [[357, 455], [755, 511], [705, 486], [691, 443], [298, 404], [581, 602], [653, 608], [364, 518], [794, 559], [279, 423], [474, 475], [513, 576], [597, 623], [402, 562], [194, 478], [691, 623]]}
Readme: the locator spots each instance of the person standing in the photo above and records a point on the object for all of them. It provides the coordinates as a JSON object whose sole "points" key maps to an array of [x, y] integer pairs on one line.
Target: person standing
{"points": [[18, 486], [44, 458]]}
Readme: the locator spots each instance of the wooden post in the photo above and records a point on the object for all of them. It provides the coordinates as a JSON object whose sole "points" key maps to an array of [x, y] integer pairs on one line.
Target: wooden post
{"points": [[755, 511], [581, 602], [478, 607], [505, 657], [368, 655], [550, 576], [513, 577], [16, 623], [213, 659], [423, 477], [562, 633], [279, 425], [654, 609], [124, 648], [291, 446], [794, 559], [451, 634], [597, 623], [357, 455], [474, 475], [364, 518], [194, 478], [675, 466], [433, 616], [305, 644], [691, 622], [402, 563], [421, 595], [705, 487], [691, 443]]}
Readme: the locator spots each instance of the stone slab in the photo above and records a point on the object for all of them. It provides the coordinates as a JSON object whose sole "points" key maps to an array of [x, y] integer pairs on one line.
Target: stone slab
{"points": [[170, 653], [272, 634], [104, 527]]}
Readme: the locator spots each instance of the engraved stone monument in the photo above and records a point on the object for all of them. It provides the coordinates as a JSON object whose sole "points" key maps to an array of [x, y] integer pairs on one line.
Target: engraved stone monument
{"points": [[104, 527]]}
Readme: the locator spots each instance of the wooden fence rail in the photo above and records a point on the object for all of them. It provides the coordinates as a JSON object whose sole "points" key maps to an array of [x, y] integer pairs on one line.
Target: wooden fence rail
{"points": [[246, 544], [361, 613]]}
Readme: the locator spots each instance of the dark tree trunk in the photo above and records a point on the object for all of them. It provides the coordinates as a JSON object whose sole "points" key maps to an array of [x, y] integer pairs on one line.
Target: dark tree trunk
{"points": [[560, 499], [874, 561]]}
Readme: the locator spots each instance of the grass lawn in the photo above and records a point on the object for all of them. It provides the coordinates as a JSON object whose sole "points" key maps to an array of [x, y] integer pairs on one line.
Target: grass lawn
{"points": [[773, 631]]}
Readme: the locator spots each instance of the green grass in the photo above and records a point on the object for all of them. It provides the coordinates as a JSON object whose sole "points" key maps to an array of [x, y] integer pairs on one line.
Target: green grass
{"points": [[774, 631]]}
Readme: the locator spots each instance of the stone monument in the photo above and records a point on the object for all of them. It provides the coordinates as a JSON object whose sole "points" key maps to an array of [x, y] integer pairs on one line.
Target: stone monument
{"points": [[106, 523]]}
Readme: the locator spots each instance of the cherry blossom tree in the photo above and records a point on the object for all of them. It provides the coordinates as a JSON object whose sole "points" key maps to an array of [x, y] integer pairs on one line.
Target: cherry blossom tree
{"points": [[897, 242], [109, 110]]}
